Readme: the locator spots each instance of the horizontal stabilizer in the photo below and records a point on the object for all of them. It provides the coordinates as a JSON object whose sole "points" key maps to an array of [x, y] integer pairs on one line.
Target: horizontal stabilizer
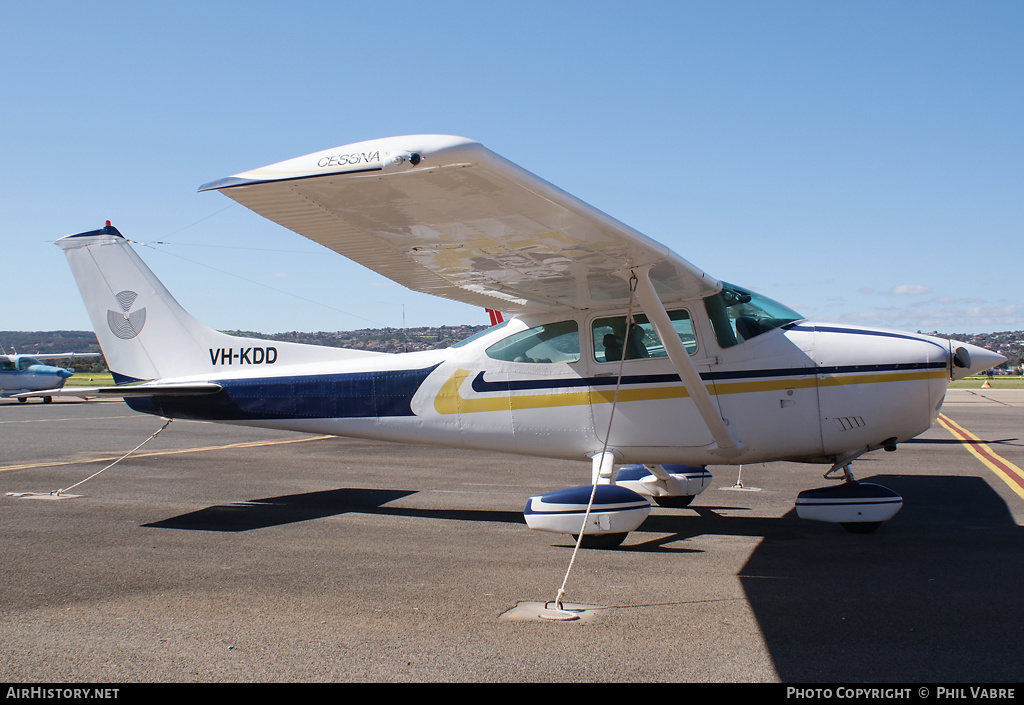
{"points": [[145, 389], [56, 356]]}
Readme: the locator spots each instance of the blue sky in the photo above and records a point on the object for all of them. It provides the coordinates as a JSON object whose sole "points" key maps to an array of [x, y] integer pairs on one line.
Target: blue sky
{"points": [[862, 162]]}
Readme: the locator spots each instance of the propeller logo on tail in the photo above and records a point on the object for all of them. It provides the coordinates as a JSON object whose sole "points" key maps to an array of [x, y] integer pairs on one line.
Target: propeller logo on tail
{"points": [[126, 324]]}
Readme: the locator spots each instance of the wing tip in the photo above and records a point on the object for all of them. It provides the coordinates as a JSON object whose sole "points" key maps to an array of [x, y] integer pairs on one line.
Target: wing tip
{"points": [[224, 183], [358, 157]]}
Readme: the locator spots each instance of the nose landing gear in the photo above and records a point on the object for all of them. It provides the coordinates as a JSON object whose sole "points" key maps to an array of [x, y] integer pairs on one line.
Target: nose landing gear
{"points": [[859, 507]]}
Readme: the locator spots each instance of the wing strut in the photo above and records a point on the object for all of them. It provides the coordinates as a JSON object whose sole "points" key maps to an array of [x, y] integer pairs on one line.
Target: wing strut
{"points": [[725, 445]]}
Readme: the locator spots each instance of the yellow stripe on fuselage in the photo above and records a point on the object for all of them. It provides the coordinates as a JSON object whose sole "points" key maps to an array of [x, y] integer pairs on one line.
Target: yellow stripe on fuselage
{"points": [[856, 378], [449, 399]]}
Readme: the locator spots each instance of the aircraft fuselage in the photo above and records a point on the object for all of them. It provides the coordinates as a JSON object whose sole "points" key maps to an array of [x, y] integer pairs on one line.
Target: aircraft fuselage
{"points": [[801, 392]]}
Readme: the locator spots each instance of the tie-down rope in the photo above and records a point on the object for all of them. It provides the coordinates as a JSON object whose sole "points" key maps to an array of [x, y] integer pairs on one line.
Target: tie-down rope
{"points": [[58, 493], [560, 596]]}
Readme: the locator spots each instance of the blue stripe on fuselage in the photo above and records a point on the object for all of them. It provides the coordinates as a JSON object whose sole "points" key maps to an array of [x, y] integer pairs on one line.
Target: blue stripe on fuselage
{"points": [[350, 395], [481, 385]]}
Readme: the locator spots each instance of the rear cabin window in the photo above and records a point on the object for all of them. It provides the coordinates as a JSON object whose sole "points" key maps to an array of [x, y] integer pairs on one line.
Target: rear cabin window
{"points": [[550, 343], [479, 334], [612, 344]]}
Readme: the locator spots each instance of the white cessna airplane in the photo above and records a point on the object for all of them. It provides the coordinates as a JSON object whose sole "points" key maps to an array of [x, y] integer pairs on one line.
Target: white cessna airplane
{"points": [[617, 350]]}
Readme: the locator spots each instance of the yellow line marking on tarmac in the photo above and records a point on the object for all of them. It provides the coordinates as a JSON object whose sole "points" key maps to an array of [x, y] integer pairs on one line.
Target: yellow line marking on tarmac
{"points": [[1006, 471], [250, 444], [48, 420]]}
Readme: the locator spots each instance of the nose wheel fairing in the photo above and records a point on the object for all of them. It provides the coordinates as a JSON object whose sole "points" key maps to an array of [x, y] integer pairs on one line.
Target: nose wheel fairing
{"points": [[860, 507]]}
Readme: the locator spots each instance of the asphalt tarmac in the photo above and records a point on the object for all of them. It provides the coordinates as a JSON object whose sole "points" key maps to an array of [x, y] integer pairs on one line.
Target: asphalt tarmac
{"points": [[230, 554]]}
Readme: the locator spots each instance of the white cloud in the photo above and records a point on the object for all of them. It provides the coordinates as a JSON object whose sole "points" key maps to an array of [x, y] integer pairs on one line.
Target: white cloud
{"points": [[946, 318], [910, 290]]}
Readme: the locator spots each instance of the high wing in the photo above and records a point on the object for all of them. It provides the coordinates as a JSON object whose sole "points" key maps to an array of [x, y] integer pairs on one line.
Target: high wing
{"points": [[58, 356], [445, 216]]}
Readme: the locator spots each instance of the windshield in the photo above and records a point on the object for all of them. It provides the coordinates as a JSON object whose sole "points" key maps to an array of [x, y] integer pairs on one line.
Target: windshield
{"points": [[738, 314], [25, 362]]}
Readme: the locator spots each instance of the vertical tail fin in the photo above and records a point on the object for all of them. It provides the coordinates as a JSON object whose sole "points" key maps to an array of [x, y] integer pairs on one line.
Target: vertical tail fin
{"points": [[145, 333]]}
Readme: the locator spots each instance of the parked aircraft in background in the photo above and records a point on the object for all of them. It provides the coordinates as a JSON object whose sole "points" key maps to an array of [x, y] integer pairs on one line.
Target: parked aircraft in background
{"points": [[614, 350], [25, 373]]}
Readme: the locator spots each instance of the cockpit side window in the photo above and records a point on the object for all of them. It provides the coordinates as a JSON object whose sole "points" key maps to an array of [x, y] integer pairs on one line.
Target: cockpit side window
{"points": [[642, 341], [546, 344], [737, 315]]}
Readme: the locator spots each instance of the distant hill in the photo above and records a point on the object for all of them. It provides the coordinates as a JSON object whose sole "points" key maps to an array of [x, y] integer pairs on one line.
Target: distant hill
{"points": [[1008, 343], [380, 340], [392, 340]]}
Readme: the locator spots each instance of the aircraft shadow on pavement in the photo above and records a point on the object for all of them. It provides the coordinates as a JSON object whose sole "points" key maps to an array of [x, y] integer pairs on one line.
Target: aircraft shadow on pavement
{"points": [[927, 598], [958, 442], [930, 597], [288, 509]]}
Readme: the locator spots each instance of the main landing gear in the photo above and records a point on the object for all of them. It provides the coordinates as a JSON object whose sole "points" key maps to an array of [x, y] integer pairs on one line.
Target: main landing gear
{"points": [[605, 513]]}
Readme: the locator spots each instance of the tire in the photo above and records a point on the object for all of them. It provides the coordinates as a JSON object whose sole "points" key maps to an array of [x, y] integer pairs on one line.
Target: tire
{"points": [[601, 541], [674, 502]]}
